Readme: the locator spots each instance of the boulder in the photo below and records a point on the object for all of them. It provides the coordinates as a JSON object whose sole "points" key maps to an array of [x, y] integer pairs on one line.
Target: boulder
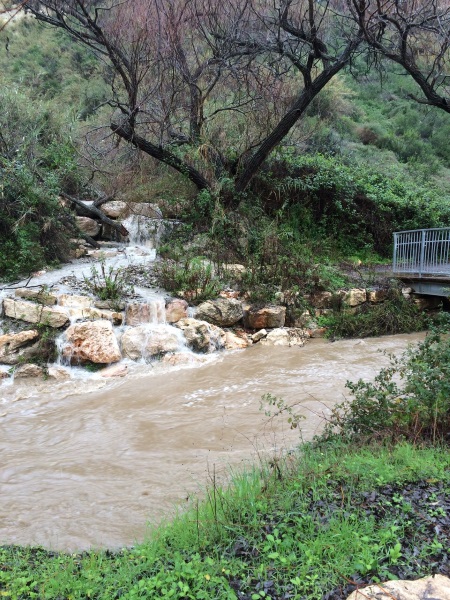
{"points": [[355, 297], [259, 335], [223, 312], [176, 310], [41, 296], [376, 296], [113, 371], [268, 317], [91, 341], [88, 226], [58, 374], [74, 301], [180, 359], [115, 305], [115, 209], [35, 313], [137, 313], [201, 336], [147, 341], [23, 355], [93, 314], [235, 342], [28, 370], [10, 342], [436, 587], [285, 337]]}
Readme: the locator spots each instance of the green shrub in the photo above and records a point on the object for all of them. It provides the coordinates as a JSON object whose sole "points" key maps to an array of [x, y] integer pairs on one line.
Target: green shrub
{"points": [[408, 399], [192, 278], [108, 283]]}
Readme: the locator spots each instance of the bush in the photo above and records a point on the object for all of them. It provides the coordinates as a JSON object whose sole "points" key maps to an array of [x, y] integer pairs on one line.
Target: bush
{"points": [[192, 278], [408, 399]]}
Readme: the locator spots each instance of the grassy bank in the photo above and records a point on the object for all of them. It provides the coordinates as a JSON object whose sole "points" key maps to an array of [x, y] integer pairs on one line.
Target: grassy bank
{"points": [[313, 524]]}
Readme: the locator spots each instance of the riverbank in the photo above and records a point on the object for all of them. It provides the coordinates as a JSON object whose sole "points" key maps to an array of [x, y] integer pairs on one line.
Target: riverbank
{"points": [[314, 524]]}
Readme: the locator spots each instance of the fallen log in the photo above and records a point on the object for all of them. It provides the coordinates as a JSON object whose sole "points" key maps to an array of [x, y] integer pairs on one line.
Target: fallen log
{"points": [[93, 210]]}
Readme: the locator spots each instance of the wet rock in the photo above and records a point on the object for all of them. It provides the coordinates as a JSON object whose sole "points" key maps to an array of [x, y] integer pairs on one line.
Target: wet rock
{"points": [[268, 317], [92, 341], [285, 337], [137, 313], [434, 588], [114, 305], [147, 341], [317, 332], [88, 226], [74, 301], [235, 342], [10, 342], [58, 374], [355, 297], [40, 296], [223, 312], [114, 371], [115, 209], [22, 355], [259, 335], [101, 254], [180, 358], [176, 310], [28, 370], [93, 314], [35, 313], [202, 336]]}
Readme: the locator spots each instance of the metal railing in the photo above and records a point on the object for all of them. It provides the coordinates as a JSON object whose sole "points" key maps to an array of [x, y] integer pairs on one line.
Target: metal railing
{"points": [[422, 252]]}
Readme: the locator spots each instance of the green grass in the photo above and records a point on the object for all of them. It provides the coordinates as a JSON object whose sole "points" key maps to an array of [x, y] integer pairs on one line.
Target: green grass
{"points": [[297, 525]]}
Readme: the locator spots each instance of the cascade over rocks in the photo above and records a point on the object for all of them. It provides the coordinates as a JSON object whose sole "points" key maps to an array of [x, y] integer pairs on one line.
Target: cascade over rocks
{"points": [[223, 312], [137, 313], [91, 341], [147, 341]]}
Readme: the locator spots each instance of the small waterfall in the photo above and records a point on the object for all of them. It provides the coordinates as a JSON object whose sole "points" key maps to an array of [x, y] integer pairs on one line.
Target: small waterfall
{"points": [[138, 313], [147, 231]]}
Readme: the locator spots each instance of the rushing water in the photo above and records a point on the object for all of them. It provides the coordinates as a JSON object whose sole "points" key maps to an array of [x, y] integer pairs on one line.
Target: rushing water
{"points": [[84, 465]]}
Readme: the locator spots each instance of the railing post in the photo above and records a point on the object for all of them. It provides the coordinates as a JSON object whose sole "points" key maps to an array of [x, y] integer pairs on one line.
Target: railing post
{"points": [[422, 252], [394, 266]]}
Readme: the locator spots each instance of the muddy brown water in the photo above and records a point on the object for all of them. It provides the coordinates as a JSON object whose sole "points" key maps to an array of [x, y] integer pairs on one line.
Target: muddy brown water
{"points": [[86, 469]]}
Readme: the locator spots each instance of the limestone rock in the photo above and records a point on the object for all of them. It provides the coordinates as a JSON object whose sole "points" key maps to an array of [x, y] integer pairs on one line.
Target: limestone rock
{"points": [[92, 341], [268, 317], [40, 296], [235, 342], [35, 313], [28, 370], [58, 374], [355, 297], [180, 358], [137, 313], [115, 209], [113, 371], [223, 312], [12, 341], [176, 310], [436, 587], [201, 336], [22, 355], [146, 341], [101, 254], [285, 337], [88, 226], [115, 305], [376, 296], [74, 301], [259, 335], [93, 314]]}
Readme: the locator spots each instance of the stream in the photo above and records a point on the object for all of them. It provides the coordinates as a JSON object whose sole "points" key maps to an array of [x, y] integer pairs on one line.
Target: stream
{"points": [[88, 463]]}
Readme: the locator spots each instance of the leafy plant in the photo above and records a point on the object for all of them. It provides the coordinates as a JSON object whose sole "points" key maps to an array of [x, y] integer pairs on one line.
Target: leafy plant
{"points": [[108, 283], [192, 278]]}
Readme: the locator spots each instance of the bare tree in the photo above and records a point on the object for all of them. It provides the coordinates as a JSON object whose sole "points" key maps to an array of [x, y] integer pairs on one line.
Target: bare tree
{"points": [[415, 34], [206, 86]]}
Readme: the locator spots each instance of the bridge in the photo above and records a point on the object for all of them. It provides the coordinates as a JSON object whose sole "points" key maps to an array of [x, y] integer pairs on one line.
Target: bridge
{"points": [[422, 258]]}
